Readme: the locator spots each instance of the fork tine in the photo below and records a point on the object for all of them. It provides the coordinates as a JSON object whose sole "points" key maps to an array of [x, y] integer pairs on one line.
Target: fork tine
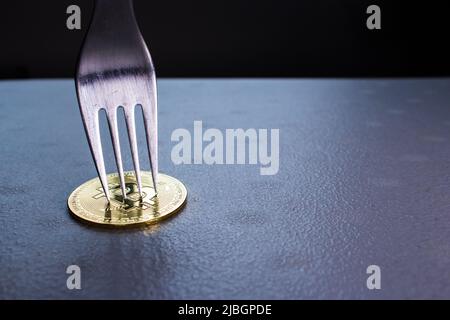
{"points": [[130, 120], [151, 132], [91, 126], [112, 122]]}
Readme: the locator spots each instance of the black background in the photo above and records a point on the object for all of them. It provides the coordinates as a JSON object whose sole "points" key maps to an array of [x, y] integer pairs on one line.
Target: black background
{"points": [[242, 38]]}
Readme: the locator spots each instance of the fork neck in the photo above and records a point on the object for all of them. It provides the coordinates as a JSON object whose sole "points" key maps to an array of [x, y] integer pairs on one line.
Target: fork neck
{"points": [[117, 9]]}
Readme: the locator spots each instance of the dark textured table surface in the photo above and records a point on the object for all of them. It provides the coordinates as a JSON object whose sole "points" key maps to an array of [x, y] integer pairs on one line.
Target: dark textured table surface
{"points": [[363, 179]]}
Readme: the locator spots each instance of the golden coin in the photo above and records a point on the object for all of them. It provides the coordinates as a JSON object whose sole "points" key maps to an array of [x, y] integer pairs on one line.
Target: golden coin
{"points": [[88, 202]]}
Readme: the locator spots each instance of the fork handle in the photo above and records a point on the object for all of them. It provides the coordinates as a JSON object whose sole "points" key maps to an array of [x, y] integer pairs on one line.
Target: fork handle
{"points": [[113, 13], [115, 5], [113, 27]]}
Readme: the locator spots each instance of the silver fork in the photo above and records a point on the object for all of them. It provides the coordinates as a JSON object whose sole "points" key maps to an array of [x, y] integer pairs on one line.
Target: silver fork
{"points": [[115, 70]]}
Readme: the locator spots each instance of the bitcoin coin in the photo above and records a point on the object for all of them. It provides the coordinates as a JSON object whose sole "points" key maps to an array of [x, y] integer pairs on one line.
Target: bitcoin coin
{"points": [[88, 202]]}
